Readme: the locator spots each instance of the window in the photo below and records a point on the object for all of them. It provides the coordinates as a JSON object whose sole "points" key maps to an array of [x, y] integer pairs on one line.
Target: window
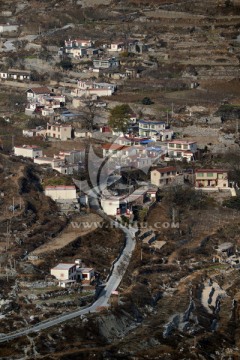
{"points": [[209, 174], [171, 145], [185, 147], [179, 154], [200, 175], [178, 146], [152, 126]]}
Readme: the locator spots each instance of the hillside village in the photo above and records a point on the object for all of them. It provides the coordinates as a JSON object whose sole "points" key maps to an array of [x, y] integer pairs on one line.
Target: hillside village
{"points": [[119, 168]]}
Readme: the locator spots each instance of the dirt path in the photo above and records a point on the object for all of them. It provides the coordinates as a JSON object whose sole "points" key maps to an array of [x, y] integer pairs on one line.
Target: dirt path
{"points": [[80, 226]]}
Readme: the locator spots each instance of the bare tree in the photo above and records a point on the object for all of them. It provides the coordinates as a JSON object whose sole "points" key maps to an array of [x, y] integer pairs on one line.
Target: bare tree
{"points": [[89, 114]]}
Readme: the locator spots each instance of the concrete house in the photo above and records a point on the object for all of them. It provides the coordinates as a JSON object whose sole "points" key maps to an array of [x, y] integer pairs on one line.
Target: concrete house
{"points": [[89, 88], [61, 192], [85, 274], [72, 156], [64, 271], [53, 162], [78, 42], [106, 63], [115, 150], [210, 179], [180, 150], [8, 27], [30, 151], [117, 47], [35, 92], [13, 74], [59, 131], [113, 205], [163, 176], [154, 129]]}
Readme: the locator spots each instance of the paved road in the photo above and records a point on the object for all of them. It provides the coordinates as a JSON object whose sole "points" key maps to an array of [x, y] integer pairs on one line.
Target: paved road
{"points": [[114, 280]]}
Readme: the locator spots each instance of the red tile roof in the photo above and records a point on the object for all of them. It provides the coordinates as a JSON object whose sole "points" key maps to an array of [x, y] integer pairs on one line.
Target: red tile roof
{"points": [[210, 170], [115, 147], [166, 169], [40, 90]]}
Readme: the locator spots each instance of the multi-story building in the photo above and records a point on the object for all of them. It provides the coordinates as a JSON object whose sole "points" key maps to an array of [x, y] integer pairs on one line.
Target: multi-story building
{"points": [[155, 130], [59, 131], [106, 63], [163, 176], [210, 179], [88, 88], [181, 149]]}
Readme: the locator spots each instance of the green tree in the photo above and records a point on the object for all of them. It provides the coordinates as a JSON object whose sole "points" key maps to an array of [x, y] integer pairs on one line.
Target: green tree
{"points": [[120, 117]]}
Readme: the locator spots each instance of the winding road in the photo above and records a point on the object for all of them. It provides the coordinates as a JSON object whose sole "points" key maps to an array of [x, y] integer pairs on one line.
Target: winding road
{"points": [[118, 269]]}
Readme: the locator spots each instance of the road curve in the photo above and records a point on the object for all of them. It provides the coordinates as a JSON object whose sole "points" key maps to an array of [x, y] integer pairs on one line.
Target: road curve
{"points": [[118, 270]]}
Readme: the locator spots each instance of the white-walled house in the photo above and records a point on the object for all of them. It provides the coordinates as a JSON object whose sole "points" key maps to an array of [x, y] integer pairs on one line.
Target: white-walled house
{"points": [[14, 74], [64, 271], [89, 88], [117, 47], [35, 92], [71, 43], [85, 274], [111, 205], [59, 131], [115, 150], [30, 151], [150, 128], [29, 132], [181, 149], [61, 192], [8, 27], [106, 63], [53, 162]]}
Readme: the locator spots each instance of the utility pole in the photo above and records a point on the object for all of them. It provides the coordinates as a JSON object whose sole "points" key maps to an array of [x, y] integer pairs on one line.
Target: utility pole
{"points": [[172, 109], [237, 128]]}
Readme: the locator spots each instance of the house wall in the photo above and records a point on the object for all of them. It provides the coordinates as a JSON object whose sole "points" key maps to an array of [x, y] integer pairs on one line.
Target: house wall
{"points": [[8, 28], [27, 152], [105, 63], [110, 206], [178, 146], [61, 194], [63, 274], [162, 179], [53, 162], [59, 132], [87, 275], [217, 180], [67, 170]]}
